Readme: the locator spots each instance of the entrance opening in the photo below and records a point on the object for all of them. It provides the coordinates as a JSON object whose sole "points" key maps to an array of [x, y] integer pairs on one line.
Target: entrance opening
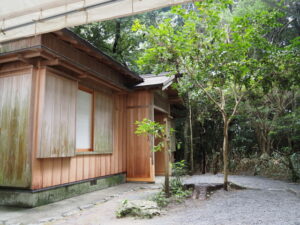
{"points": [[159, 155]]}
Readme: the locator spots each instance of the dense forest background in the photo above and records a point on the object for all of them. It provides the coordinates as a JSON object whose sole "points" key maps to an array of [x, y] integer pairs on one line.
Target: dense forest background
{"points": [[245, 58]]}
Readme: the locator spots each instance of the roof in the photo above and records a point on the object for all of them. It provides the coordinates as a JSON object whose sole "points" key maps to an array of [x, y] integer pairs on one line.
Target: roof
{"points": [[99, 54], [163, 80]]}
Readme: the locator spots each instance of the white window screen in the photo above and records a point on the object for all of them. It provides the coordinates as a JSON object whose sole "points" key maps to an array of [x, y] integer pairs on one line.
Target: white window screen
{"points": [[84, 114]]}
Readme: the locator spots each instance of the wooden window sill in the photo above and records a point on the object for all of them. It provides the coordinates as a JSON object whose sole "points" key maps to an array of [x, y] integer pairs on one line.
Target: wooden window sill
{"points": [[92, 153]]}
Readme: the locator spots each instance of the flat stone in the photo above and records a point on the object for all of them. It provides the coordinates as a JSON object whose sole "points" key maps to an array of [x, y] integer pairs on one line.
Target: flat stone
{"points": [[88, 206], [46, 220], [100, 202], [70, 212], [274, 189], [297, 193], [107, 198]]}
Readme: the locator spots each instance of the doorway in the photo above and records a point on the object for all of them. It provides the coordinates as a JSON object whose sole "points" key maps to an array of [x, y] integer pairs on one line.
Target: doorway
{"points": [[159, 156]]}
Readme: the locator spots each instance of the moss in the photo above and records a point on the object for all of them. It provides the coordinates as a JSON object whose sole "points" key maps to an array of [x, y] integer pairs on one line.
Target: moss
{"points": [[29, 199]]}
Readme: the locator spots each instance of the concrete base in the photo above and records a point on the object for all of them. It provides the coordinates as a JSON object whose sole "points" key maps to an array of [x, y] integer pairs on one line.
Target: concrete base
{"points": [[33, 198]]}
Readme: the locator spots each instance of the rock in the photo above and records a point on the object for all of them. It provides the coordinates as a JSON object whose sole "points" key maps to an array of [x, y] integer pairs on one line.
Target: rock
{"points": [[100, 202], [86, 206], [138, 208], [293, 191], [70, 212], [50, 219]]}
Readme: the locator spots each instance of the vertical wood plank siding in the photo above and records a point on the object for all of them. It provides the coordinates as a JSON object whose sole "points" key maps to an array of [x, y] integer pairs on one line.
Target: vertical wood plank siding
{"points": [[103, 123], [57, 136], [140, 166], [55, 171], [15, 135]]}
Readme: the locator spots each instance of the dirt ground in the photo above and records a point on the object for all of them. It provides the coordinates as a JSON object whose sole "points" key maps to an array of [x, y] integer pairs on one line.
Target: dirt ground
{"points": [[265, 202]]}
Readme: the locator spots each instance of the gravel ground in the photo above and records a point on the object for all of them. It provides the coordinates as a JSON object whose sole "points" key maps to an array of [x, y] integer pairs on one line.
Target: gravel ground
{"points": [[265, 202]]}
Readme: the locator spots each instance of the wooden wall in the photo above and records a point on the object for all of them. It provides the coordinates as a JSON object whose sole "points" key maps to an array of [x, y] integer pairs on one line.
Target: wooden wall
{"points": [[15, 128], [57, 171], [140, 165], [58, 99]]}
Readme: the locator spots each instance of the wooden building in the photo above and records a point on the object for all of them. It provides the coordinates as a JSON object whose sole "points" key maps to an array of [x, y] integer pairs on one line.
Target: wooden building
{"points": [[67, 114]]}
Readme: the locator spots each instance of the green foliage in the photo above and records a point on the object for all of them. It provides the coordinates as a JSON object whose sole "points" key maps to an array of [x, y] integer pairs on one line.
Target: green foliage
{"points": [[117, 39], [178, 191], [230, 53], [179, 168], [161, 199], [178, 194], [149, 127], [275, 166]]}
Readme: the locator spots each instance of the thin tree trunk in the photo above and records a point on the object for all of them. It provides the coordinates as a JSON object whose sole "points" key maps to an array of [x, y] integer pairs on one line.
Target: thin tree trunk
{"points": [[203, 159], [117, 36], [225, 153], [166, 153], [186, 141], [191, 136], [167, 173]]}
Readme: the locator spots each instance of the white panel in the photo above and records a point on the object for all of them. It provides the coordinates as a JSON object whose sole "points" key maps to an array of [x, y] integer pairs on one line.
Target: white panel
{"points": [[42, 16], [84, 120]]}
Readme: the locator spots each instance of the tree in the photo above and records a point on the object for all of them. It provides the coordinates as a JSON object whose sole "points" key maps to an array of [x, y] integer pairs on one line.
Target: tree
{"points": [[163, 133], [220, 55], [116, 38]]}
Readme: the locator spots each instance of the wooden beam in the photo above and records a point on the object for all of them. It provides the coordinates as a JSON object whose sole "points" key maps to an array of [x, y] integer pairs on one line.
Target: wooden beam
{"points": [[15, 57], [50, 62], [23, 59], [82, 76]]}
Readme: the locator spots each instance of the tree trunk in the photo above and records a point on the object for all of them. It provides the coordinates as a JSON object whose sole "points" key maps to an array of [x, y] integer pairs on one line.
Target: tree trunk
{"points": [[186, 140], [225, 153], [191, 136], [117, 36], [167, 174], [203, 159], [166, 153]]}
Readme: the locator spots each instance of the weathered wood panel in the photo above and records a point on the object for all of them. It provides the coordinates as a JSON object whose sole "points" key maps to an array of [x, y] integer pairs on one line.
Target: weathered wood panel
{"points": [[15, 135], [20, 44], [57, 136], [139, 155], [82, 167], [103, 123]]}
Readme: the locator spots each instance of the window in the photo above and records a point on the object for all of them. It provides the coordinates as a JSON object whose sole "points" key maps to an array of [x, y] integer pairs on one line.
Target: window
{"points": [[84, 120]]}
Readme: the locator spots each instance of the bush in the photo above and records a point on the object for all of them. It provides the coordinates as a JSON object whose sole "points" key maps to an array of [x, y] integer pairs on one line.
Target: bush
{"points": [[179, 169], [161, 199], [177, 191], [274, 166]]}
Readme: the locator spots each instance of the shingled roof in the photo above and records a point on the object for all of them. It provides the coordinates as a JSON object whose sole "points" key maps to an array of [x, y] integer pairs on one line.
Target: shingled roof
{"points": [[163, 80]]}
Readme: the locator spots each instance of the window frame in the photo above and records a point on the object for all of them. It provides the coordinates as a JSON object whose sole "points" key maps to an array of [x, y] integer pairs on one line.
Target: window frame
{"points": [[92, 92]]}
